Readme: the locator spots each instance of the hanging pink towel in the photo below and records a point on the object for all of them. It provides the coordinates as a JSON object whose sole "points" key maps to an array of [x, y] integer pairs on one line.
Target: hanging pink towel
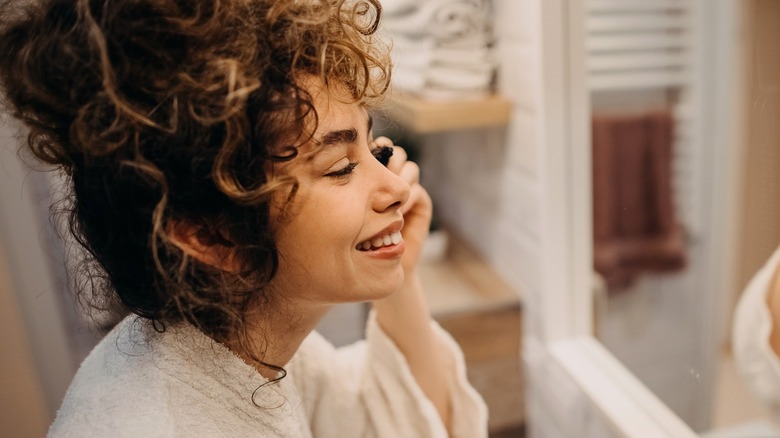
{"points": [[635, 228]]}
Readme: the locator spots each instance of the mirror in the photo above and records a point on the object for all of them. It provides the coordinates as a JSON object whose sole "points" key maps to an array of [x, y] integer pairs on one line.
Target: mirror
{"points": [[678, 228]]}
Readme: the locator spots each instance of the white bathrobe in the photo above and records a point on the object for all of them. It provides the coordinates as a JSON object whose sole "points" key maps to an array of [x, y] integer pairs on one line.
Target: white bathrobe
{"points": [[757, 362], [179, 383]]}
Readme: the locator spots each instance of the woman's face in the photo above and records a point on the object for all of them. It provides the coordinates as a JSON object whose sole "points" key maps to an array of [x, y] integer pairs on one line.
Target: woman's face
{"points": [[340, 240]]}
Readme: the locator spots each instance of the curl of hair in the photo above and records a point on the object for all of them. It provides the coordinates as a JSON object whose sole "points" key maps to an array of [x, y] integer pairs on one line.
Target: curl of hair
{"points": [[171, 111]]}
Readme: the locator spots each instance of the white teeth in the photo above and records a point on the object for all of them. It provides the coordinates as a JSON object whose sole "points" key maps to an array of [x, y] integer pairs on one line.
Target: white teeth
{"points": [[391, 239]]}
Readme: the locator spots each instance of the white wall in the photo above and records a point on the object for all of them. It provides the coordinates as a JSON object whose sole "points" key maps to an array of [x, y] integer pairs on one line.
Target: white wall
{"points": [[35, 282], [485, 182]]}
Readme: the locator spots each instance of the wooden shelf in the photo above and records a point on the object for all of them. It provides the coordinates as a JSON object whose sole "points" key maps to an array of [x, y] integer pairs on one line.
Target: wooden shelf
{"points": [[425, 117], [462, 283]]}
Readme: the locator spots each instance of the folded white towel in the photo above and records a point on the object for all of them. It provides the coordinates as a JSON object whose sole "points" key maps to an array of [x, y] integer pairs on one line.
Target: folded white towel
{"points": [[471, 59], [409, 80], [467, 42], [398, 7], [442, 49], [427, 42], [412, 53], [459, 19], [442, 19], [454, 80], [420, 53], [477, 58], [459, 78], [444, 94]]}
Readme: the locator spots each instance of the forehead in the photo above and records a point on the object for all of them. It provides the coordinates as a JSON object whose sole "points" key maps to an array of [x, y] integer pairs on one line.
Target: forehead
{"points": [[334, 109], [340, 119], [334, 105]]}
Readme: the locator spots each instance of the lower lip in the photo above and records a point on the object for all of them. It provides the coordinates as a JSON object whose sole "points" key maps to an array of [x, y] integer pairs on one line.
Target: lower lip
{"points": [[387, 252]]}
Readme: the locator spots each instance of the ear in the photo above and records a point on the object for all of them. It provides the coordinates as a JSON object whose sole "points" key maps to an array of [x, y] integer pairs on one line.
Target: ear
{"points": [[198, 244]]}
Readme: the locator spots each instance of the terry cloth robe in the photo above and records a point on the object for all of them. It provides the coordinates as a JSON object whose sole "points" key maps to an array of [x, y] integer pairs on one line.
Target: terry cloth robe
{"points": [[757, 362], [138, 382]]}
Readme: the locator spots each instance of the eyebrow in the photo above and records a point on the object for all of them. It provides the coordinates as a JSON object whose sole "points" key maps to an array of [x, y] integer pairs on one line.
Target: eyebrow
{"points": [[340, 136], [345, 135]]}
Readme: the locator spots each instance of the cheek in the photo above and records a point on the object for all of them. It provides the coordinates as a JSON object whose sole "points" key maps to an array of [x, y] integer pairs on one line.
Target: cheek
{"points": [[323, 226]]}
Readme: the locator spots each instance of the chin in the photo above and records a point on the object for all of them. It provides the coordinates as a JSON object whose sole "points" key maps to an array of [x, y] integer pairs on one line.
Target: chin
{"points": [[389, 286], [396, 285]]}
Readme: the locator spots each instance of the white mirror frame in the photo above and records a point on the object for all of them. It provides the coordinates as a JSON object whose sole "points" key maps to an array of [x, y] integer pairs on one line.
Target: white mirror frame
{"points": [[576, 387]]}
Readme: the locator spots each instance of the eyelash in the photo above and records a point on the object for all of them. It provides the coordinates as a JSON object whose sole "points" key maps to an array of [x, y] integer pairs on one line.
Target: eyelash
{"points": [[382, 154], [345, 171]]}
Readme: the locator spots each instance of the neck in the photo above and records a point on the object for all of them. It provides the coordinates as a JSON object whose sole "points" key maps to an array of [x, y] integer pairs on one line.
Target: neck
{"points": [[275, 334]]}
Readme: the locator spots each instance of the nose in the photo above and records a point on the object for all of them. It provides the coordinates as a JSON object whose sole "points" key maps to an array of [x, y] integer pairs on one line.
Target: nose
{"points": [[391, 190]]}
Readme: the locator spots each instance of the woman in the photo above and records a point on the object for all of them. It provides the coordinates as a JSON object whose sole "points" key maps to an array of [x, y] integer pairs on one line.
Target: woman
{"points": [[227, 187], [756, 335]]}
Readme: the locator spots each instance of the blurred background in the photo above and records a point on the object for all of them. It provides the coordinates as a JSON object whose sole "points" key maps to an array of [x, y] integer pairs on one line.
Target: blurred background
{"points": [[680, 104]]}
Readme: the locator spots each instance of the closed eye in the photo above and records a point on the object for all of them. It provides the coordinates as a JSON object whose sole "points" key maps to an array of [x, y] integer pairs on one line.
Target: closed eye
{"points": [[344, 171]]}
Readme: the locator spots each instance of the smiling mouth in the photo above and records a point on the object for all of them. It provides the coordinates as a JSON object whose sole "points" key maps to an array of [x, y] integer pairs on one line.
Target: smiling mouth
{"points": [[393, 238]]}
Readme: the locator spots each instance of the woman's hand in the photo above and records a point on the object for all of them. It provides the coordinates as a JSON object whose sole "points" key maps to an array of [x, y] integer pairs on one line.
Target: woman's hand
{"points": [[417, 210], [404, 315]]}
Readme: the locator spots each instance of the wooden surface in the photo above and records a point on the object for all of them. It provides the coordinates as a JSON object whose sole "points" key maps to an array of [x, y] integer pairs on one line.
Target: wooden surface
{"points": [[490, 340], [425, 117], [463, 283], [23, 410]]}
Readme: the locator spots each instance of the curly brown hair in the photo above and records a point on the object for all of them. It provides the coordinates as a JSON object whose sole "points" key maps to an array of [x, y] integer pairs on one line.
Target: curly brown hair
{"points": [[171, 111]]}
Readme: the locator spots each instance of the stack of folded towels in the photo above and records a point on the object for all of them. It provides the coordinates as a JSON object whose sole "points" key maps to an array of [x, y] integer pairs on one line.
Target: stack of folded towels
{"points": [[442, 49]]}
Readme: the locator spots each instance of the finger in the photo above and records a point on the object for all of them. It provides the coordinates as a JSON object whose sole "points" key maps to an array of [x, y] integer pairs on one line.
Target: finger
{"points": [[418, 198], [383, 141], [410, 172], [410, 201]]}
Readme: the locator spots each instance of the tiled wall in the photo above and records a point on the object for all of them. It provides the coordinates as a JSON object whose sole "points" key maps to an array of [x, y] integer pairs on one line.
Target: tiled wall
{"points": [[485, 181]]}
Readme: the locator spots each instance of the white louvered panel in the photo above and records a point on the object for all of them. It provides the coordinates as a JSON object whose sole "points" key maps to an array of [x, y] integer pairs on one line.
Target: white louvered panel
{"points": [[638, 61], [638, 43], [684, 135], [633, 22], [685, 176], [683, 112], [634, 80], [611, 6], [632, 42], [650, 45]]}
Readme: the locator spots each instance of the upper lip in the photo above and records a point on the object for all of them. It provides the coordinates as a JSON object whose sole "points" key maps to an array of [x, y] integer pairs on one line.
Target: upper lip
{"points": [[390, 229]]}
